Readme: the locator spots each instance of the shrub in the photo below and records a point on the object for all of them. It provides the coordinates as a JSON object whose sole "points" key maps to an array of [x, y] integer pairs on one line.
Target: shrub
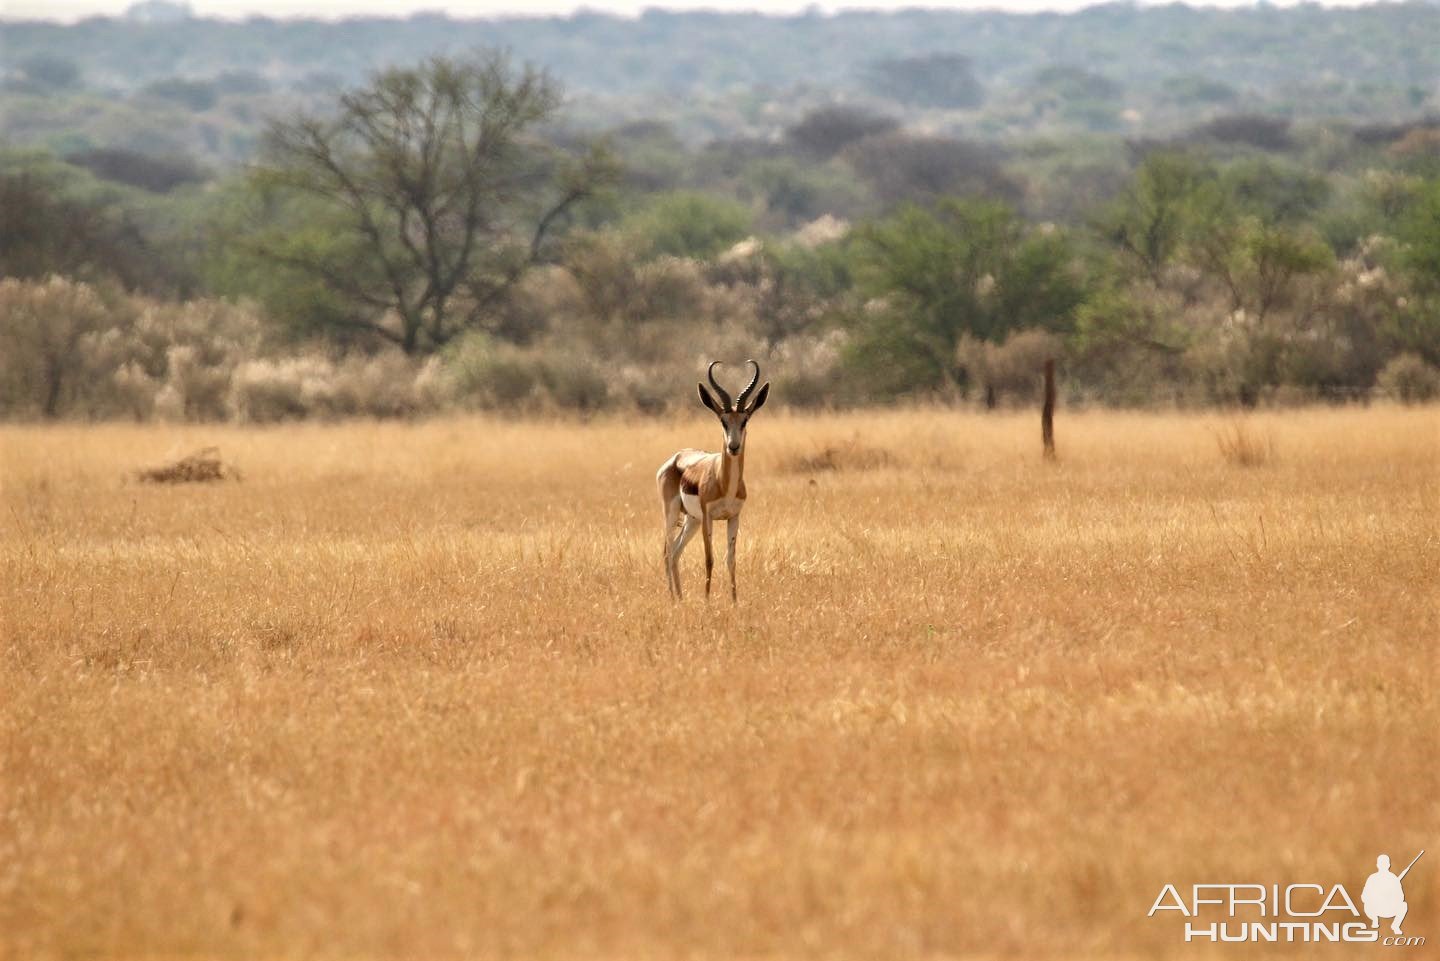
{"points": [[690, 225], [807, 369], [486, 374], [574, 380], [192, 350], [266, 391], [43, 370], [386, 385], [1012, 368], [1409, 379]]}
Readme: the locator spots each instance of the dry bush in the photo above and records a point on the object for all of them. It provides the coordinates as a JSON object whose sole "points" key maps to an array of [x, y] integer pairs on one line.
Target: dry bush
{"points": [[1013, 369], [43, 370], [488, 375], [1243, 445], [73, 350], [574, 380], [1410, 380], [203, 466], [485, 374], [852, 455], [267, 391], [191, 350], [807, 370], [386, 385]]}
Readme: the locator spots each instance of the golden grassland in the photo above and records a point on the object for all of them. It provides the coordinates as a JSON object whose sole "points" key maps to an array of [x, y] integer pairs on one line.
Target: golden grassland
{"points": [[418, 690]]}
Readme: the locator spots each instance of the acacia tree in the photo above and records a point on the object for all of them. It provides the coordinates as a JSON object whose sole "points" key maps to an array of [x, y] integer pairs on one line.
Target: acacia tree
{"points": [[436, 196], [967, 268], [1147, 224]]}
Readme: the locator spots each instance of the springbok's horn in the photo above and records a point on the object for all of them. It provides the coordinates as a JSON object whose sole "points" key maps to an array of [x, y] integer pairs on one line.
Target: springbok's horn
{"points": [[724, 397], [740, 401]]}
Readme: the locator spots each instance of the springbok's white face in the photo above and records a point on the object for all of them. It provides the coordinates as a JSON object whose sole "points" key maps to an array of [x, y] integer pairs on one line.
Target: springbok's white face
{"points": [[734, 415]]}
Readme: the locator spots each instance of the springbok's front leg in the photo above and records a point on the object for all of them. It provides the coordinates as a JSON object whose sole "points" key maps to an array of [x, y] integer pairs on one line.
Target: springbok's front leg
{"points": [[707, 528], [732, 532]]}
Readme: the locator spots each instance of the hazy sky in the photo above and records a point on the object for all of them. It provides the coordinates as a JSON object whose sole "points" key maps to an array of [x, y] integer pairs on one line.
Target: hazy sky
{"points": [[75, 9]]}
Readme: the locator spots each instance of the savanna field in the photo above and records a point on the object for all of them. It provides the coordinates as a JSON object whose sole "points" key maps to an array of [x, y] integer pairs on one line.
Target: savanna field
{"points": [[418, 690]]}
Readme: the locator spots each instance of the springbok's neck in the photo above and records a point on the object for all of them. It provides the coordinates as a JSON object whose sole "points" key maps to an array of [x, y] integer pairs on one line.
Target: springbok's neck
{"points": [[732, 469]]}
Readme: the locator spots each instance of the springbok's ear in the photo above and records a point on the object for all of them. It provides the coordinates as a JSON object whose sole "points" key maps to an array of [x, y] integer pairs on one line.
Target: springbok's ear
{"points": [[707, 400], [760, 398]]}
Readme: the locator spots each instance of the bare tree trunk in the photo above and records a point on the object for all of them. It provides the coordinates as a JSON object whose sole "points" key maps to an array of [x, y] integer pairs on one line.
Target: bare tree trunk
{"points": [[54, 379], [1047, 413]]}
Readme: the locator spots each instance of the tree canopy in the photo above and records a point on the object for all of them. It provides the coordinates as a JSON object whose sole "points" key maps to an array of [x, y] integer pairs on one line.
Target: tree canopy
{"points": [[431, 176], [965, 268]]}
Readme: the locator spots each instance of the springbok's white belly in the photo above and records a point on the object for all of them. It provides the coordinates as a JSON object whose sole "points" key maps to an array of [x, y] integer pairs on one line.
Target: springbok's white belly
{"points": [[721, 509]]}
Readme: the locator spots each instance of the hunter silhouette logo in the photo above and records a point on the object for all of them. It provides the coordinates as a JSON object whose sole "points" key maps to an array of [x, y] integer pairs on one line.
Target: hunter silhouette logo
{"points": [[1294, 912], [1383, 896]]}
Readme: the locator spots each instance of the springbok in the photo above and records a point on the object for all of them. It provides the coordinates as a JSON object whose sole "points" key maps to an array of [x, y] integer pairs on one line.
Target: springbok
{"points": [[709, 487]]}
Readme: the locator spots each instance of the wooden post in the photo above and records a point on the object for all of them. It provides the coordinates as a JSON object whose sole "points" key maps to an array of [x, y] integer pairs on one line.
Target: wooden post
{"points": [[1047, 413]]}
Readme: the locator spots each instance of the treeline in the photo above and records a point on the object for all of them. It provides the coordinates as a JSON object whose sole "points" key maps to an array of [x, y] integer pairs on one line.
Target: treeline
{"points": [[160, 79], [435, 239]]}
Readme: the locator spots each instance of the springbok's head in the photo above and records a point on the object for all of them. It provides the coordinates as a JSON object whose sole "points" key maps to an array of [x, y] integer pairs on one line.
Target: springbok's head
{"points": [[734, 415]]}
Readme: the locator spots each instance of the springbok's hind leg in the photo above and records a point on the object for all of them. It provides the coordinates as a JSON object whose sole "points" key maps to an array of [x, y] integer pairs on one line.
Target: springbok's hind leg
{"points": [[672, 517], [673, 561], [732, 532]]}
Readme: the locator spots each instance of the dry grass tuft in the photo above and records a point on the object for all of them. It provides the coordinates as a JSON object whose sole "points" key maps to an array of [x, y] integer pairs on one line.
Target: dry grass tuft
{"points": [[203, 466], [850, 455], [417, 690], [1244, 446]]}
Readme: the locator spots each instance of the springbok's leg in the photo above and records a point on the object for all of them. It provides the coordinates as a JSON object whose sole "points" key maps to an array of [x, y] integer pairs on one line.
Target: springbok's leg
{"points": [[732, 532], [673, 561], [672, 516], [707, 527]]}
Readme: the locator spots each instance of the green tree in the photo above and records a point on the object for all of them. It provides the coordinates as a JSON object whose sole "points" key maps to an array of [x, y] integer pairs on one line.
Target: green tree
{"points": [[969, 267], [1147, 224], [1419, 235], [1417, 324], [261, 245], [689, 225], [60, 220], [440, 196], [1274, 191], [1258, 263]]}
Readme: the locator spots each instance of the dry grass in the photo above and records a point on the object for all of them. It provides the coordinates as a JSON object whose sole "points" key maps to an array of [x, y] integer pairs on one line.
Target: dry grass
{"points": [[1243, 445], [850, 455], [418, 690]]}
